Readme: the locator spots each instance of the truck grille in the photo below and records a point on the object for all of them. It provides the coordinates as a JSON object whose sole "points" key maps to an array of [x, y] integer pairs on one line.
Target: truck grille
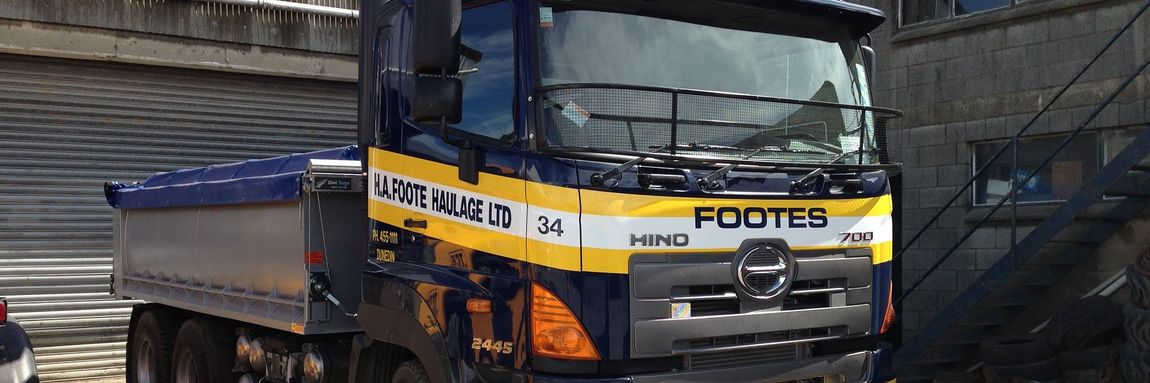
{"points": [[738, 358], [745, 341], [828, 298]]}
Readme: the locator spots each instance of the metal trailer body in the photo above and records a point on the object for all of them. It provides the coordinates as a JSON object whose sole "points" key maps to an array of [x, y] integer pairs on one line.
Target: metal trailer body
{"points": [[251, 262]]}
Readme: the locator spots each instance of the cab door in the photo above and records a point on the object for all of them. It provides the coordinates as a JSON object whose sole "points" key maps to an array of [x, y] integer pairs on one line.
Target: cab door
{"points": [[467, 236]]}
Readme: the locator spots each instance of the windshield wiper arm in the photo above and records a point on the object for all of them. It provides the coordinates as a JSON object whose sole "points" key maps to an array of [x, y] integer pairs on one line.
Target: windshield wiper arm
{"points": [[708, 181], [806, 179], [598, 179]]}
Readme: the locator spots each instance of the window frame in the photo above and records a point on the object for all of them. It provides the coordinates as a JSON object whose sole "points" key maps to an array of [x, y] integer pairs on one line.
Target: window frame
{"points": [[951, 16], [1101, 151]]}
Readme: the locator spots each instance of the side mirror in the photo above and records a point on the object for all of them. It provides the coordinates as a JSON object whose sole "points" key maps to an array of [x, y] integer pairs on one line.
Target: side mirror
{"points": [[435, 43], [434, 91], [868, 58], [435, 99]]}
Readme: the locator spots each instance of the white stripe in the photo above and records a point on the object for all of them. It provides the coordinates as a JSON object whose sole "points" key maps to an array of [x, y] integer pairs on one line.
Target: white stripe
{"points": [[614, 233], [570, 226], [425, 205]]}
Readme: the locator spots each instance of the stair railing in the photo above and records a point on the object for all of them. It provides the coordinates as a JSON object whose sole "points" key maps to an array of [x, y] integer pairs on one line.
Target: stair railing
{"points": [[919, 343], [1013, 145]]}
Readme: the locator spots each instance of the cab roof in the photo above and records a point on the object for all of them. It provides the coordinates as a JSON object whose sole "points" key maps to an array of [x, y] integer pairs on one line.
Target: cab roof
{"points": [[799, 17]]}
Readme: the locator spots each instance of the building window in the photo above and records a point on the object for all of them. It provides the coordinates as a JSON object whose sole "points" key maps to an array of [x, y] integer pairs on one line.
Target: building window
{"points": [[919, 11], [1056, 182]]}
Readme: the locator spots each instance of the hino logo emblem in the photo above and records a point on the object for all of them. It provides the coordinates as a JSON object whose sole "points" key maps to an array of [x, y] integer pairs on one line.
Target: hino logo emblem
{"points": [[764, 271]]}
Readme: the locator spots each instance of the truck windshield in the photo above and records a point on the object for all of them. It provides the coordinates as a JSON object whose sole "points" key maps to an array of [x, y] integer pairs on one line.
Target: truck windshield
{"points": [[626, 82]]}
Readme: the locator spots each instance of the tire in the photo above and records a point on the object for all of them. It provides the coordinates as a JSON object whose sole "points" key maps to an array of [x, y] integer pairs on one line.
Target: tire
{"points": [[1135, 364], [1043, 370], [1015, 350], [1084, 359], [1137, 325], [1080, 376], [410, 372], [150, 355], [202, 354], [1139, 283], [1090, 322]]}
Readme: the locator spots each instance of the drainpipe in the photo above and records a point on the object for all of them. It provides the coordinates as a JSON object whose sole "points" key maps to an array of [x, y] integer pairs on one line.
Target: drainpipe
{"points": [[281, 5]]}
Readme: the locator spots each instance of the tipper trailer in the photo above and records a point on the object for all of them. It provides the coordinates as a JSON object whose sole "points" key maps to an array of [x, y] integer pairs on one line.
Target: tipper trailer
{"points": [[567, 190]]}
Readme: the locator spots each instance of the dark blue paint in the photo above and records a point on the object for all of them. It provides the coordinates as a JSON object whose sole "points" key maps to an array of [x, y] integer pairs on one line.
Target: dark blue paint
{"points": [[264, 180], [777, 183], [423, 273], [525, 68], [446, 275], [883, 363]]}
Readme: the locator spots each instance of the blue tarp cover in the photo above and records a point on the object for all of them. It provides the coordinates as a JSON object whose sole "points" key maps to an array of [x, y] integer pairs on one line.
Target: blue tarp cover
{"points": [[266, 180]]}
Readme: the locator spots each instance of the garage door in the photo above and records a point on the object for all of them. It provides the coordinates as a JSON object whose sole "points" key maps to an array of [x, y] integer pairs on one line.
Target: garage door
{"points": [[68, 126]]}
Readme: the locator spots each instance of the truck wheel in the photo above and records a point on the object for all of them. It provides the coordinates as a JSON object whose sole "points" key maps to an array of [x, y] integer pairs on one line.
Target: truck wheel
{"points": [[1137, 327], [410, 372], [201, 355], [1135, 364], [151, 356], [1045, 370], [1089, 322]]}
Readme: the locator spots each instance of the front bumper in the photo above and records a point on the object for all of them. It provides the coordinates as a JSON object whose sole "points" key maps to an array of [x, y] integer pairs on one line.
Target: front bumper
{"points": [[855, 367]]}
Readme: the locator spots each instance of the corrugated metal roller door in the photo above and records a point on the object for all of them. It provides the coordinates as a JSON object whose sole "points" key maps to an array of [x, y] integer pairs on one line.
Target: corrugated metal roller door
{"points": [[68, 126]]}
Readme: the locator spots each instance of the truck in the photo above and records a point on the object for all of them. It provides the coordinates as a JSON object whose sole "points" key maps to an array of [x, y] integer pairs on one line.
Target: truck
{"points": [[544, 191]]}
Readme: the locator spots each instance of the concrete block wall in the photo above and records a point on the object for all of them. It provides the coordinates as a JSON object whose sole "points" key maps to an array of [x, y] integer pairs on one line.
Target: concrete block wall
{"points": [[979, 79]]}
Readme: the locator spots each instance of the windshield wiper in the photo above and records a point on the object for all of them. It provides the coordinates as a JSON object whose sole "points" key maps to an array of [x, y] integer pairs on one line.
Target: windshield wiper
{"points": [[802, 182], [598, 179], [812, 141], [709, 181]]}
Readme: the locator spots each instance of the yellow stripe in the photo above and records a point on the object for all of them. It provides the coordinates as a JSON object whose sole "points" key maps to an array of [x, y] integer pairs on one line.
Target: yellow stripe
{"points": [[553, 197], [883, 252], [489, 241], [570, 200], [489, 184], [459, 233], [615, 261], [553, 255], [632, 205]]}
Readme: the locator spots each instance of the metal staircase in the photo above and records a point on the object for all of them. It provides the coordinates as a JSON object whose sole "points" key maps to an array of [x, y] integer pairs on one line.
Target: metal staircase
{"points": [[1039, 260]]}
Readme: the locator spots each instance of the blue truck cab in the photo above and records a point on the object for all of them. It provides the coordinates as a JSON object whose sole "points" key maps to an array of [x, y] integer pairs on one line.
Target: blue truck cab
{"points": [[625, 190]]}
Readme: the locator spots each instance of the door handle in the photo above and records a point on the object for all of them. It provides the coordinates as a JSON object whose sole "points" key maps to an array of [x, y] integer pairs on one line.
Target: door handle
{"points": [[415, 223]]}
